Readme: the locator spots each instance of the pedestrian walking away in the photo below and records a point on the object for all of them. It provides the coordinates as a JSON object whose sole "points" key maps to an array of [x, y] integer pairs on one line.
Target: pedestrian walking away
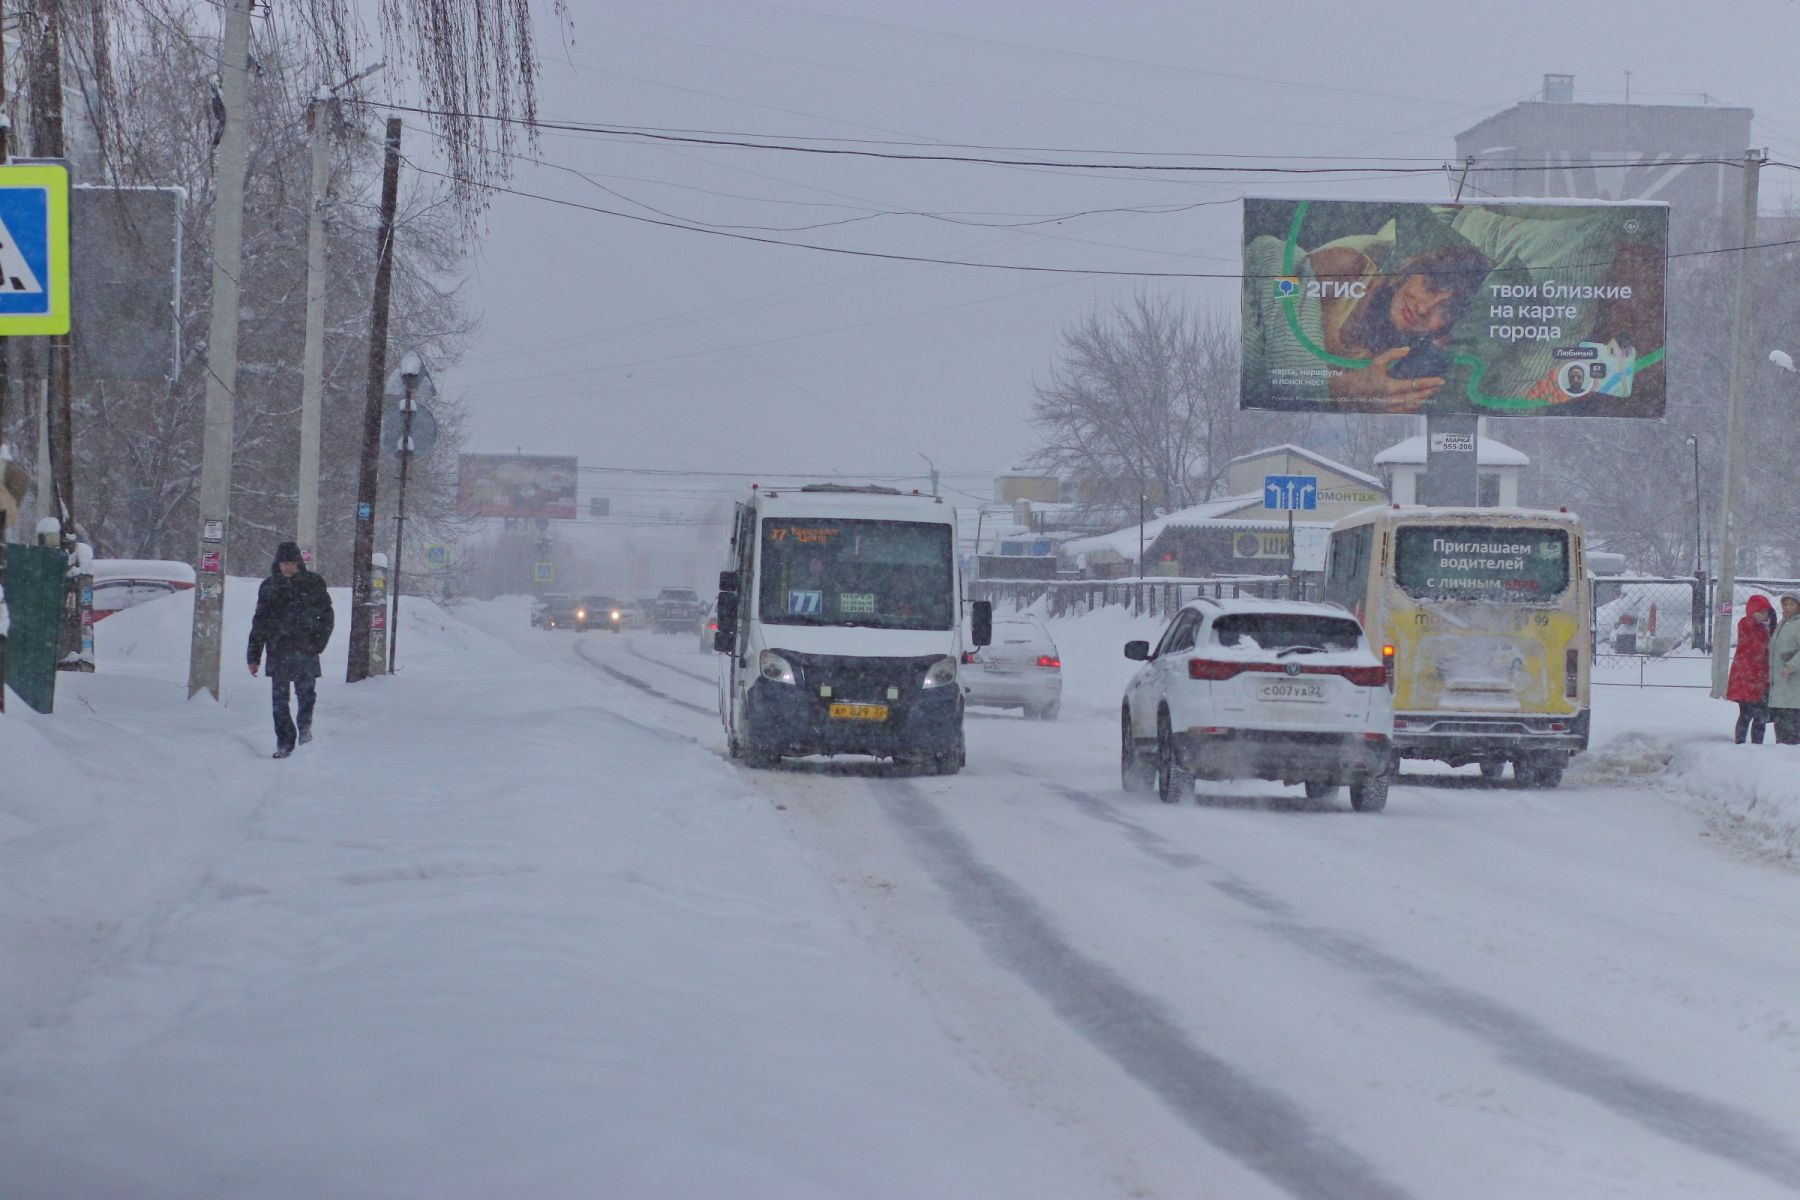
{"points": [[1784, 672], [1748, 683], [291, 629]]}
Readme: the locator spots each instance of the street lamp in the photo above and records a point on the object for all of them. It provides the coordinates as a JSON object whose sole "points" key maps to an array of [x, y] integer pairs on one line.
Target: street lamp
{"points": [[412, 370]]}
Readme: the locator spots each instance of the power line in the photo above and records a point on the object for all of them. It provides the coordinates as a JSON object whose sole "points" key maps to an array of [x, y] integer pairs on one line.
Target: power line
{"points": [[956, 262]]}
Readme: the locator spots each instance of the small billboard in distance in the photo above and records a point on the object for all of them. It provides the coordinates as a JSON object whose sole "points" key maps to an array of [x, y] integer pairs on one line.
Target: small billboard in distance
{"points": [[516, 485], [1505, 308]]}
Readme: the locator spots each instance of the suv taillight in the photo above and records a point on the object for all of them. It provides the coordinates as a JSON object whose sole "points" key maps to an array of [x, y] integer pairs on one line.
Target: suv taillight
{"points": [[1207, 668], [1366, 676], [1048, 660]]}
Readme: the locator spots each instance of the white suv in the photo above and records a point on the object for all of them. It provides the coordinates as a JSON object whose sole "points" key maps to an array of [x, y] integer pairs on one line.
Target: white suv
{"points": [[1260, 689]]}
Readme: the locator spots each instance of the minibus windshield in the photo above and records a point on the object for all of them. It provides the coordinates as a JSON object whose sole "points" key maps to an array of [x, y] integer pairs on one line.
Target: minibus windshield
{"points": [[879, 574]]}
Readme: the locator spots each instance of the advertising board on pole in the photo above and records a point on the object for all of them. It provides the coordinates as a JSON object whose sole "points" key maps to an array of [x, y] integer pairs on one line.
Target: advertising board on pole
{"points": [[517, 485], [1514, 308]]}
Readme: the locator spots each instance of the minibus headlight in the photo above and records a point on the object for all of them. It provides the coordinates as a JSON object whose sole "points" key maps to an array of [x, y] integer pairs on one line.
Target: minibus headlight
{"points": [[775, 668], [941, 673]]}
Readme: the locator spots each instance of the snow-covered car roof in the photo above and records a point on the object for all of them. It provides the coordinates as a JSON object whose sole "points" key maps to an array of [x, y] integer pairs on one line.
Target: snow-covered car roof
{"points": [[1252, 604]]}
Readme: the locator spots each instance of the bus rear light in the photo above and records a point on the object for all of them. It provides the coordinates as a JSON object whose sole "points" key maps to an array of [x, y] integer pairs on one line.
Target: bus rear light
{"points": [[1572, 673], [1558, 727], [1387, 665]]}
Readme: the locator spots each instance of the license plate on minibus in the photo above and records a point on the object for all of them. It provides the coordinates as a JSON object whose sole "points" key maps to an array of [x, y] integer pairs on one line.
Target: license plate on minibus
{"points": [[1291, 689], [859, 712]]}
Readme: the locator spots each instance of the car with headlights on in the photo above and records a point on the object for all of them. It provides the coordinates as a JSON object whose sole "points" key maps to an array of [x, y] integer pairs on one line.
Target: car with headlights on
{"points": [[599, 612], [1260, 689], [1021, 669]]}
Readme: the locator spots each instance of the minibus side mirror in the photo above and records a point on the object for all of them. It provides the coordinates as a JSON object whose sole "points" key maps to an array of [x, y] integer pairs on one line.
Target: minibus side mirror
{"points": [[725, 614], [981, 622], [728, 582]]}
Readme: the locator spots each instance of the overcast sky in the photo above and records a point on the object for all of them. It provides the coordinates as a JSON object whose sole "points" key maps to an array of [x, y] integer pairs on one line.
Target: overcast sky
{"points": [[637, 345]]}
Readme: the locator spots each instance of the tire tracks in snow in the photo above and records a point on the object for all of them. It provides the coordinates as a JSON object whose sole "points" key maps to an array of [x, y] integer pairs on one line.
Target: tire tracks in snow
{"points": [[1251, 1122], [1736, 1135], [633, 681]]}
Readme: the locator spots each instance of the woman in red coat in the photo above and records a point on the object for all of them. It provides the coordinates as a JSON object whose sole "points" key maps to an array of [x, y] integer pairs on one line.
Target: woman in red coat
{"points": [[1748, 683]]}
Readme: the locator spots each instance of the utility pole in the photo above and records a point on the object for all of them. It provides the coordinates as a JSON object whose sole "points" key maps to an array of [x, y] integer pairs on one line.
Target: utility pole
{"points": [[312, 361], [364, 549], [221, 351], [1724, 592]]}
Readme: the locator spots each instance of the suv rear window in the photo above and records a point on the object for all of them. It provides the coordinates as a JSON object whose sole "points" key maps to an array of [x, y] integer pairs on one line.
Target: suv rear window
{"points": [[1279, 631]]}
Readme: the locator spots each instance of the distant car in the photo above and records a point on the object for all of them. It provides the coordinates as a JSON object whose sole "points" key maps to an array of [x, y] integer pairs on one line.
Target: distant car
{"points": [[599, 612], [557, 611], [1020, 669], [1259, 689], [676, 610], [121, 583]]}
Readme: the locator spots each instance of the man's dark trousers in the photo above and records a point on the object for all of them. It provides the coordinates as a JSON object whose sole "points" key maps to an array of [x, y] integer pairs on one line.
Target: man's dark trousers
{"points": [[306, 691]]}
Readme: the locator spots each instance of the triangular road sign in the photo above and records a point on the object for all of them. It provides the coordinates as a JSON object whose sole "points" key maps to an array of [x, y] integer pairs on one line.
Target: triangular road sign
{"points": [[16, 274]]}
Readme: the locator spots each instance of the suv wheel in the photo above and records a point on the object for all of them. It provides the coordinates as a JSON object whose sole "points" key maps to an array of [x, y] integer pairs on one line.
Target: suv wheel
{"points": [[1369, 795], [1174, 783], [1135, 775]]}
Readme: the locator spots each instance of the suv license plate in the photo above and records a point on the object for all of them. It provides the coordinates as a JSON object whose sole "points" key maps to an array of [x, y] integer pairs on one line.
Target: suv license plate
{"points": [[1291, 689], [861, 712]]}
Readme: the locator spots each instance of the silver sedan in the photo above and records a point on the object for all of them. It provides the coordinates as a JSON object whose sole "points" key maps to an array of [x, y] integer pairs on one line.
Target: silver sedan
{"points": [[1021, 669]]}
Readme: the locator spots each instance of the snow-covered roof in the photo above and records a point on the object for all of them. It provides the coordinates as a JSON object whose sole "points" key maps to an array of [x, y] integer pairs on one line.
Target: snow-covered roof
{"points": [[1124, 542], [1313, 457], [143, 568], [1488, 452]]}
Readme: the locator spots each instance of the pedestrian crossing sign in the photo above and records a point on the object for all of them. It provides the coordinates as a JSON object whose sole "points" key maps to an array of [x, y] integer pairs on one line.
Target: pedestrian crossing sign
{"points": [[34, 250], [543, 572]]}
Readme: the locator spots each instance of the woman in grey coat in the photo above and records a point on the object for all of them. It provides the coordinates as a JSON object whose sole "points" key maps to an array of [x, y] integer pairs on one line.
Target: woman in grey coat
{"points": [[1784, 672]]}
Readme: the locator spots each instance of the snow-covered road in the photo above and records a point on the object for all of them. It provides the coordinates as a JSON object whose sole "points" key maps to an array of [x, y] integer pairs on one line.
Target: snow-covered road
{"points": [[514, 926]]}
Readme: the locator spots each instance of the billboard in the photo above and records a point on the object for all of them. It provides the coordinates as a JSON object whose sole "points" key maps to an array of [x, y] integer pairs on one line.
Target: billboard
{"points": [[516, 485], [1492, 309]]}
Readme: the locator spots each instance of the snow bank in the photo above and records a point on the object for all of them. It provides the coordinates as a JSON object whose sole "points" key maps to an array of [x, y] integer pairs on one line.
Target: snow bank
{"points": [[1754, 790]]}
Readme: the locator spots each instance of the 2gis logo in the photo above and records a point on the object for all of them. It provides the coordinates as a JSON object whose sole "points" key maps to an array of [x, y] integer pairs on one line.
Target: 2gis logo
{"points": [[1292, 287]]}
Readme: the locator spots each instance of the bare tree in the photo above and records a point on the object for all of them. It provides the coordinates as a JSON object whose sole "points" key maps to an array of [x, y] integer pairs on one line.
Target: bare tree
{"points": [[1144, 401], [138, 445], [472, 65], [1135, 404]]}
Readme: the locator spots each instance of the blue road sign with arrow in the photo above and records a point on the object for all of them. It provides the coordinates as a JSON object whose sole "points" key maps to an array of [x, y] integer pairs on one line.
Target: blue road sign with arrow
{"points": [[1291, 491]]}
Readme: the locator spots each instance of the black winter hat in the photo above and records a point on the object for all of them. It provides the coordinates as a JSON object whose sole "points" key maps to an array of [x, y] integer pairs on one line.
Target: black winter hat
{"points": [[289, 552]]}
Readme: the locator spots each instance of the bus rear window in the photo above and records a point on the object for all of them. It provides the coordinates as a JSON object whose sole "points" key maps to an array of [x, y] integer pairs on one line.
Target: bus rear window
{"points": [[1487, 562]]}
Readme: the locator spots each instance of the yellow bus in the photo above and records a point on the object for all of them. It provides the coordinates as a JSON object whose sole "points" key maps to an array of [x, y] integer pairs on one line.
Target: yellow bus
{"points": [[1482, 616]]}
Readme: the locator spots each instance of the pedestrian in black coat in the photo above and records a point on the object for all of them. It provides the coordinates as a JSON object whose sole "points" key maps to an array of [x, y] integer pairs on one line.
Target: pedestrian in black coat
{"points": [[292, 626]]}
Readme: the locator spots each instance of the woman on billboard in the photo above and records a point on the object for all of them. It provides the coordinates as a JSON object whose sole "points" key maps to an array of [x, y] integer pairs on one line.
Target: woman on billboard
{"points": [[1387, 329]]}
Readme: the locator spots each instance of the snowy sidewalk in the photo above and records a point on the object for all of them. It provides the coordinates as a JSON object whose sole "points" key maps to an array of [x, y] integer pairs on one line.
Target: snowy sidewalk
{"points": [[494, 933]]}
